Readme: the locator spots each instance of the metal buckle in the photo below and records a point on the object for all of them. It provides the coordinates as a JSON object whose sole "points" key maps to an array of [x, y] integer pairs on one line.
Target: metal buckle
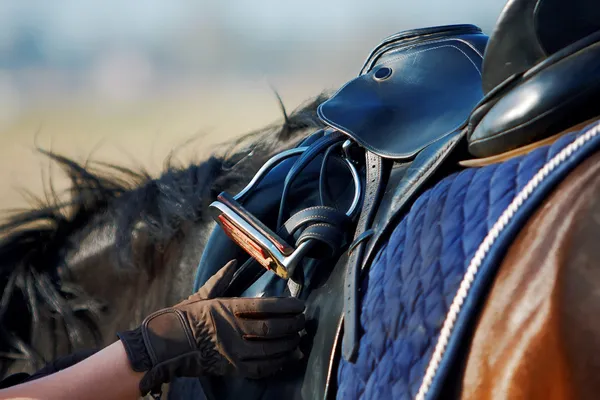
{"points": [[260, 242]]}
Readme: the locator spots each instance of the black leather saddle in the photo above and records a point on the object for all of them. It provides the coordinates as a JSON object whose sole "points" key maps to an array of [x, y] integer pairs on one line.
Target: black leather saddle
{"points": [[410, 102], [417, 107], [391, 130], [541, 74]]}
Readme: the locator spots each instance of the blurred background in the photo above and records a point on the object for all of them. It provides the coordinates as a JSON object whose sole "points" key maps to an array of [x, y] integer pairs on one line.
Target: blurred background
{"points": [[129, 81]]}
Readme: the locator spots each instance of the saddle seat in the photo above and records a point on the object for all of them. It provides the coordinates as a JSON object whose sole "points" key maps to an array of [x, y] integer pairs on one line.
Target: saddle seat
{"points": [[541, 74]]}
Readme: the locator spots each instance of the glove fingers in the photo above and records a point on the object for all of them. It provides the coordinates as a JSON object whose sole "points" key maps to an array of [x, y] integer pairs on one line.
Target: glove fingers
{"points": [[268, 348], [218, 283], [267, 307], [271, 328]]}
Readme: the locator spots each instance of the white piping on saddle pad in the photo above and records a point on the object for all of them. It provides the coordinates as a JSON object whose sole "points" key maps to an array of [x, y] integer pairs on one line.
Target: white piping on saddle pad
{"points": [[484, 248]]}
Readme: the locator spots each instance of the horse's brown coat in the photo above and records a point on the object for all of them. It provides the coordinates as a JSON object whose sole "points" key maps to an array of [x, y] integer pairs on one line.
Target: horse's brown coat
{"points": [[538, 336]]}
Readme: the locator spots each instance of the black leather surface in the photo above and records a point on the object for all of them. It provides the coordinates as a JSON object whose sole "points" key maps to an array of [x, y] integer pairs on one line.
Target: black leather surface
{"points": [[377, 173], [514, 45], [416, 36], [540, 74], [324, 306], [434, 85], [528, 31], [219, 249], [321, 278], [561, 92], [413, 178], [415, 88]]}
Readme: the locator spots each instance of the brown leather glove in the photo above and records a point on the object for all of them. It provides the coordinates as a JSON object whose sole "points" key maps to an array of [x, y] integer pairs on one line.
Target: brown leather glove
{"points": [[250, 337]]}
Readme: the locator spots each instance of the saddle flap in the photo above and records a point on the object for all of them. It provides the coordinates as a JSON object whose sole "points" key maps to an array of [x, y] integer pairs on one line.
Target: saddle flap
{"points": [[414, 90]]}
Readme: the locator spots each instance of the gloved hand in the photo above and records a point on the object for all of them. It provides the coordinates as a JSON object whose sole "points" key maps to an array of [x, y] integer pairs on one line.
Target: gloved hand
{"points": [[250, 337]]}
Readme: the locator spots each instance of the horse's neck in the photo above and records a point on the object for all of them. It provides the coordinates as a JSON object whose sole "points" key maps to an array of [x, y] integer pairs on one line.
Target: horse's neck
{"points": [[520, 151], [153, 278]]}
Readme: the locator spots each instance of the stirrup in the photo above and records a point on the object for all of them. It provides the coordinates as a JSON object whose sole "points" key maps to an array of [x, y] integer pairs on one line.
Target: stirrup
{"points": [[260, 242]]}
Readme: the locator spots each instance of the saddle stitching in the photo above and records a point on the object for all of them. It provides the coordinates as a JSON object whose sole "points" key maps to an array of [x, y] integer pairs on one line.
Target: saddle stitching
{"points": [[384, 50], [407, 55], [319, 235], [302, 221]]}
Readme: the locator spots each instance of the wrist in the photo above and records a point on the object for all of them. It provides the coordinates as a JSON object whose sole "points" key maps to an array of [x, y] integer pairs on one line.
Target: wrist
{"points": [[155, 346], [135, 347]]}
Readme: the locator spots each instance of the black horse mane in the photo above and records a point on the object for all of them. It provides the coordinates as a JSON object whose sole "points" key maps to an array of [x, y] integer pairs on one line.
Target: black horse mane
{"points": [[32, 242]]}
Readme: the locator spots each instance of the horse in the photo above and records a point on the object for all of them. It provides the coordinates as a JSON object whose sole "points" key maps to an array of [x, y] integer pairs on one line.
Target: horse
{"points": [[468, 271], [72, 268]]}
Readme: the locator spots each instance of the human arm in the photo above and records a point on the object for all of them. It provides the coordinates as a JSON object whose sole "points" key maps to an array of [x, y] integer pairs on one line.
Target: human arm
{"points": [[105, 375]]}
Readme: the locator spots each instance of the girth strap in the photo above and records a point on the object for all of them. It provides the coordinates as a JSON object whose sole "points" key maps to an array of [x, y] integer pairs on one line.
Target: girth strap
{"points": [[329, 240], [325, 225], [311, 215], [377, 173]]}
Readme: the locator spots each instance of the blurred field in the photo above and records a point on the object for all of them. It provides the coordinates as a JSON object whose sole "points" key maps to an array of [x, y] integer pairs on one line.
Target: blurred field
{"points": [[142, 133]]}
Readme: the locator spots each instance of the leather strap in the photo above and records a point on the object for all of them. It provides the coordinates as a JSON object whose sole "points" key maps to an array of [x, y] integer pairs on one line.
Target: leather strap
{"points": [[326, 225], [329, 238], [377, 173], [421, 170], [312, 215]]}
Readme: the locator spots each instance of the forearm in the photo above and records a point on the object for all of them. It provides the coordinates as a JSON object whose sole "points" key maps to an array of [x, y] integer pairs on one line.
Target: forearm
{"points": [[105, 375]]}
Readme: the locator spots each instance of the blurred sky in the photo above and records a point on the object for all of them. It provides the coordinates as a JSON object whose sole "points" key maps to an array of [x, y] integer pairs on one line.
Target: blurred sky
{"points": [[121, 50]]}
